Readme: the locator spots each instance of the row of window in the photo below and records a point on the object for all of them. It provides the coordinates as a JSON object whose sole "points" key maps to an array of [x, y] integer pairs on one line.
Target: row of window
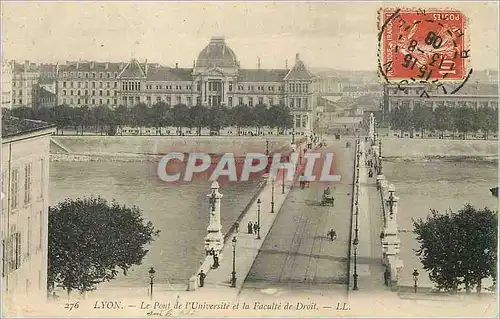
{"points": [[298, 87], [301, 121], [167, 87], [131, 86], [93, 75], [86, 84], [86, 93], [261, 88], [212, 86], [299, 102], [26, 83], [27, 184], [12, 252], [87, 101]]}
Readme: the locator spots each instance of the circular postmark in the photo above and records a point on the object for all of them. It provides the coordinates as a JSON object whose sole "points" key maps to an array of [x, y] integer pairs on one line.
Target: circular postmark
{"points": [[424, 47]]}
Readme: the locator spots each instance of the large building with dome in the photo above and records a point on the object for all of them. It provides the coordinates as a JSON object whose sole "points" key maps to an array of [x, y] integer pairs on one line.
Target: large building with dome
{"points": [[215, 78]]}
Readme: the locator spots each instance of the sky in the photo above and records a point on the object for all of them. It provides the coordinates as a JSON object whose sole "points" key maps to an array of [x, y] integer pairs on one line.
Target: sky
{"points": [[326, 34]]}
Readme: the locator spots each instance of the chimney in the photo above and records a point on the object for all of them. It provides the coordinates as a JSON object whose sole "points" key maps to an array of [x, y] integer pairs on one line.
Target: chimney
{"points": [[92, 64], [121, 66], [194, 64], [107, 65], [177, 65], [297, 59], [146, 66], [286, 64], [258, 63]]}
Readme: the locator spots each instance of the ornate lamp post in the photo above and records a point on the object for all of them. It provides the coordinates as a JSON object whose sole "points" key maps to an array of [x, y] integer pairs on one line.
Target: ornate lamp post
{"points": [[258, 218], [415, 279], [355, 275], [272, 196], [293, 135], [267, 146], [151, 277], [357, 214], [283, 183], [233, 274], [391, 200]]}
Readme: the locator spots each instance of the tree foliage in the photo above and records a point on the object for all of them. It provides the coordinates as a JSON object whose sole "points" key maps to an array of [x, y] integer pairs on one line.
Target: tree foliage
{"points": [[91, 239], [444, 118], [458, 249], [102, 118]]}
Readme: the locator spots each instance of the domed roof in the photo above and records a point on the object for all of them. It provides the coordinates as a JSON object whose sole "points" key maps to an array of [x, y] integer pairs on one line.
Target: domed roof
{"points": [[217, 54]]}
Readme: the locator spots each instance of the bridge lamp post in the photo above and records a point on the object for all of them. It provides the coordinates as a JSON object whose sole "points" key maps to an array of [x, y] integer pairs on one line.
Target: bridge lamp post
{"points": [[355, 275], [233, 274], [151, 277], [283, 183], [415, 279], [272, 196], [258, 218]]}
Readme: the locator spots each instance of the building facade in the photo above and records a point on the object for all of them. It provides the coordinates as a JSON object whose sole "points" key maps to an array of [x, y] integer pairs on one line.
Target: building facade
{"points": [[215, 79], [24, 84], [6, 85], [410, 96], [25, 202]]}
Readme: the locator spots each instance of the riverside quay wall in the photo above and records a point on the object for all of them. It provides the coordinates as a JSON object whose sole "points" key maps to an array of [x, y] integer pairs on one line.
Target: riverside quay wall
{"points": [[158, 145]]}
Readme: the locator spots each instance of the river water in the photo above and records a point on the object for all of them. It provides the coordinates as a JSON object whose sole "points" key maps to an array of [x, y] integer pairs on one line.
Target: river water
{"points": [[180, 211], [436, 184]]}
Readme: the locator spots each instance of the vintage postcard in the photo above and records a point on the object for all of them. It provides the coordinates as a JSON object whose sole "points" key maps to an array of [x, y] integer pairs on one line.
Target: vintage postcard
{"points": [[249, 159]]}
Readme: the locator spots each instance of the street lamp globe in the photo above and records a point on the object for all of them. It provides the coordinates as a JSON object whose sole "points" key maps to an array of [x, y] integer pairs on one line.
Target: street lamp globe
{"points": [[233, 242], [258, 202], [415, 275], [152, 273], [355, 242]]}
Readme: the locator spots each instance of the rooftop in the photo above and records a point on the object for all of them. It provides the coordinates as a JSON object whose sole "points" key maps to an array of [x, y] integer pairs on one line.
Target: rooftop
{"points": [[14, 126], [217, 54], [262, 75]]}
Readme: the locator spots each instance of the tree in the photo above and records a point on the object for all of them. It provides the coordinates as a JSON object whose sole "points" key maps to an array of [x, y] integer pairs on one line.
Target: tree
{"points": [[121, 116], [180, 116], [61, 117], [492, 120], [464, 120], [458, 248], [280, 117], [199, 114], [217, 118], [260, 117], [90, 239], [401, 119], [421, 118], [241, 116], [442, 119]]}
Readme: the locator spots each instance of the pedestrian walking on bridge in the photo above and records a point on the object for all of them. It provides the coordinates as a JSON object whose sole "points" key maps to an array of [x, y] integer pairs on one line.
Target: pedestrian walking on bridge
{"points": [[332, 234], [202, 276], [250, 227]]}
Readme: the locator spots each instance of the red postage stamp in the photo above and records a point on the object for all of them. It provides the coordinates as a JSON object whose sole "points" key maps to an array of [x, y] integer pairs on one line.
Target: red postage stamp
{"points": [[422, 45]]}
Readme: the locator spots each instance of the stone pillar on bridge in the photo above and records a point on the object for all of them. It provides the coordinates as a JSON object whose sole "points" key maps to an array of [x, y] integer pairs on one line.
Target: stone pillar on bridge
{"points": [[371, 128], [214, 239], [391, 242]]}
